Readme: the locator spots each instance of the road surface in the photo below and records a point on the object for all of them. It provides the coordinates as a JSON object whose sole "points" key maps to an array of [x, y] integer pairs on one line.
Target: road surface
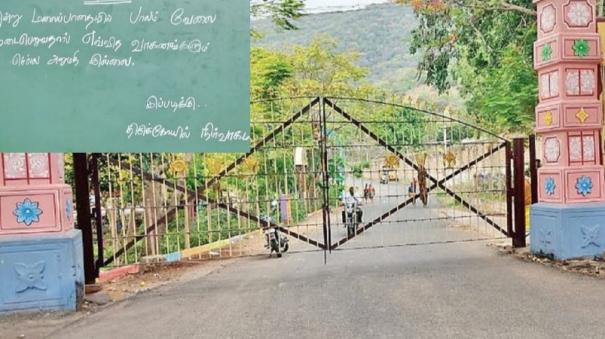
{"points": [[455, 290]]}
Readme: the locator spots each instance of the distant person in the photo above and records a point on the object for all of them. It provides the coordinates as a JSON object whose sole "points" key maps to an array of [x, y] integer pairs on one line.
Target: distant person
{"points": [[413, 190], [372, 192], [366, 193], [424, 193]]}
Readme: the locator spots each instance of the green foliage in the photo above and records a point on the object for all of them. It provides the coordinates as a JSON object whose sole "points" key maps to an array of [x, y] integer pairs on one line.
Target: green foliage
{"points": [[316, 69], [485, 49], [69, 169], [357, 170], [321, 70], [269, 72], [283, 13], [336, 171], [507, 96]]}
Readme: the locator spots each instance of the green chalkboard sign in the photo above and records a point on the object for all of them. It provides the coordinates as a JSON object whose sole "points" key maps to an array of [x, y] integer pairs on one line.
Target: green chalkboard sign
{"points": [[124, 75]]}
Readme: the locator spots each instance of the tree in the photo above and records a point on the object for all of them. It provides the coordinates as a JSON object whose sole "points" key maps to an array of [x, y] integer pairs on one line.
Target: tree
{"points": [[507, 96], [315, 69], [269, 72], [321, 70], [282, 12], [487, 5], [485, 48]]}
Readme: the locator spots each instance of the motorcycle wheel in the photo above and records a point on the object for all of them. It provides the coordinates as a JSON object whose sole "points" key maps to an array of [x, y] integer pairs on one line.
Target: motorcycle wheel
{"points": [[286, 247], [350, 230]]}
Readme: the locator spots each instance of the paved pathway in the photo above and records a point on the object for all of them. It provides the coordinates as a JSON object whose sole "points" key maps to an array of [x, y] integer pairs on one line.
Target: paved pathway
{"points": [[458, 290]]}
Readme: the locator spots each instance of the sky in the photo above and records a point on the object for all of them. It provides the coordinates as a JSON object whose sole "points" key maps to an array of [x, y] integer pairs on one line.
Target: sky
{"points": [[328, 5]]}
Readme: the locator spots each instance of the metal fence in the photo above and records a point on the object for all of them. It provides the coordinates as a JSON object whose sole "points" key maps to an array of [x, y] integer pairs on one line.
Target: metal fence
{"points": [[305, 153], [386, 145]]}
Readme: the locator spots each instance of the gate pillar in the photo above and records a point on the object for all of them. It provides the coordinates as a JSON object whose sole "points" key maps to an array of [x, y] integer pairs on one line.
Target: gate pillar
{"points": [[40, 252], [569, 219]]}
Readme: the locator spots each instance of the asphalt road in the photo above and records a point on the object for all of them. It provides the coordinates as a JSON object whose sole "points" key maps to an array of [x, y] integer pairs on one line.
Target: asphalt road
{"points": [[456, 290]]}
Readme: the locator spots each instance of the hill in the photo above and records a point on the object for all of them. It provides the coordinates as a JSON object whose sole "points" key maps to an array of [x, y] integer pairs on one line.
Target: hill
{"points": [[379, 32]]}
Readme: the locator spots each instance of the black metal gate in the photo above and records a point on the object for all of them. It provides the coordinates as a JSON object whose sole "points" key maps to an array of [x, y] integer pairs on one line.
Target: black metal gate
{"points": [[306, 154], [388, 147]]}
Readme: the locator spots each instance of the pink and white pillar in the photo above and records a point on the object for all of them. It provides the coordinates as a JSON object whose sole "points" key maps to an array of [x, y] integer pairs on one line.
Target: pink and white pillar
{"points": [[568, 221], [40, 252]]}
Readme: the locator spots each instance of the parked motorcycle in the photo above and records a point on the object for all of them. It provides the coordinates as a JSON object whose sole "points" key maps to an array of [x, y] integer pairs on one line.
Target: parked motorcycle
{"points": [[275, 240]]}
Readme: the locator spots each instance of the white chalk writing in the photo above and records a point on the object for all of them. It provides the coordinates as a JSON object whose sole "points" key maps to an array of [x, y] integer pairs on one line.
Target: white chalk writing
{"points": [[172, 56], [155, 103], [10, 19], [73, 60], [60, 18], [94, 40], [35, 41], [179, 18], [99, 60], [210, 132], [193, 46], [20, 60], [157, 131], [140, 17]]}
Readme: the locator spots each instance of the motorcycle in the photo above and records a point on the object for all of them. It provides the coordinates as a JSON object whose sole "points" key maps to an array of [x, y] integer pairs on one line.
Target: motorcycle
{"points": [[275, 241], [351, 219]]}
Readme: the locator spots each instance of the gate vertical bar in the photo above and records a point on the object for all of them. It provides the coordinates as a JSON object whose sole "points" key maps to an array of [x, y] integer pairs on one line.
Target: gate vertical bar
{"points": [[519, 185], [324, 122], [98, 215], [509, 190], [533, 168], [84, 218], [324, 173]]}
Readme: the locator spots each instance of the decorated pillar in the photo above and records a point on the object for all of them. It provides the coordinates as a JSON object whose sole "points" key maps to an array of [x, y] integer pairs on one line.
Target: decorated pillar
{"points": [[40, 252], [569, 220]]}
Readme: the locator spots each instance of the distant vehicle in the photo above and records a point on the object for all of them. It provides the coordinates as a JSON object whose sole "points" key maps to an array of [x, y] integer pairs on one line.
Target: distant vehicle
{"points": [[388, 175]]}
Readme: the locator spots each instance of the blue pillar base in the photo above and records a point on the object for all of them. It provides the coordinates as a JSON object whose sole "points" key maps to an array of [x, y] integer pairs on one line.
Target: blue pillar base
{"points": [[568, 231], [42, 272]]}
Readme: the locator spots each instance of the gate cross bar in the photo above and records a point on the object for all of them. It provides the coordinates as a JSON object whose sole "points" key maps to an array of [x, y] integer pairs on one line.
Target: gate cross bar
{"points": [[192, 195], [280, 129], [442, 182], [436, 183]]}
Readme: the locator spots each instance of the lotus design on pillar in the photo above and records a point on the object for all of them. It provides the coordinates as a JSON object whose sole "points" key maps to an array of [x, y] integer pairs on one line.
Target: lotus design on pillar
{"points": [[550, 186], [546, 52], [581, 48], [584, 185], [28, 212]]}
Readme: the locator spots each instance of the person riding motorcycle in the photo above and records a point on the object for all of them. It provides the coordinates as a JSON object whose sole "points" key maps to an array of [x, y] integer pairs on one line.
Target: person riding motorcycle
{"points": [[351, 206]]}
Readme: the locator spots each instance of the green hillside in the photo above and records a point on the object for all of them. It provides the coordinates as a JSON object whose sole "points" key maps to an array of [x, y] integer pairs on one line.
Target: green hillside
{"points": [[380, 33]]}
